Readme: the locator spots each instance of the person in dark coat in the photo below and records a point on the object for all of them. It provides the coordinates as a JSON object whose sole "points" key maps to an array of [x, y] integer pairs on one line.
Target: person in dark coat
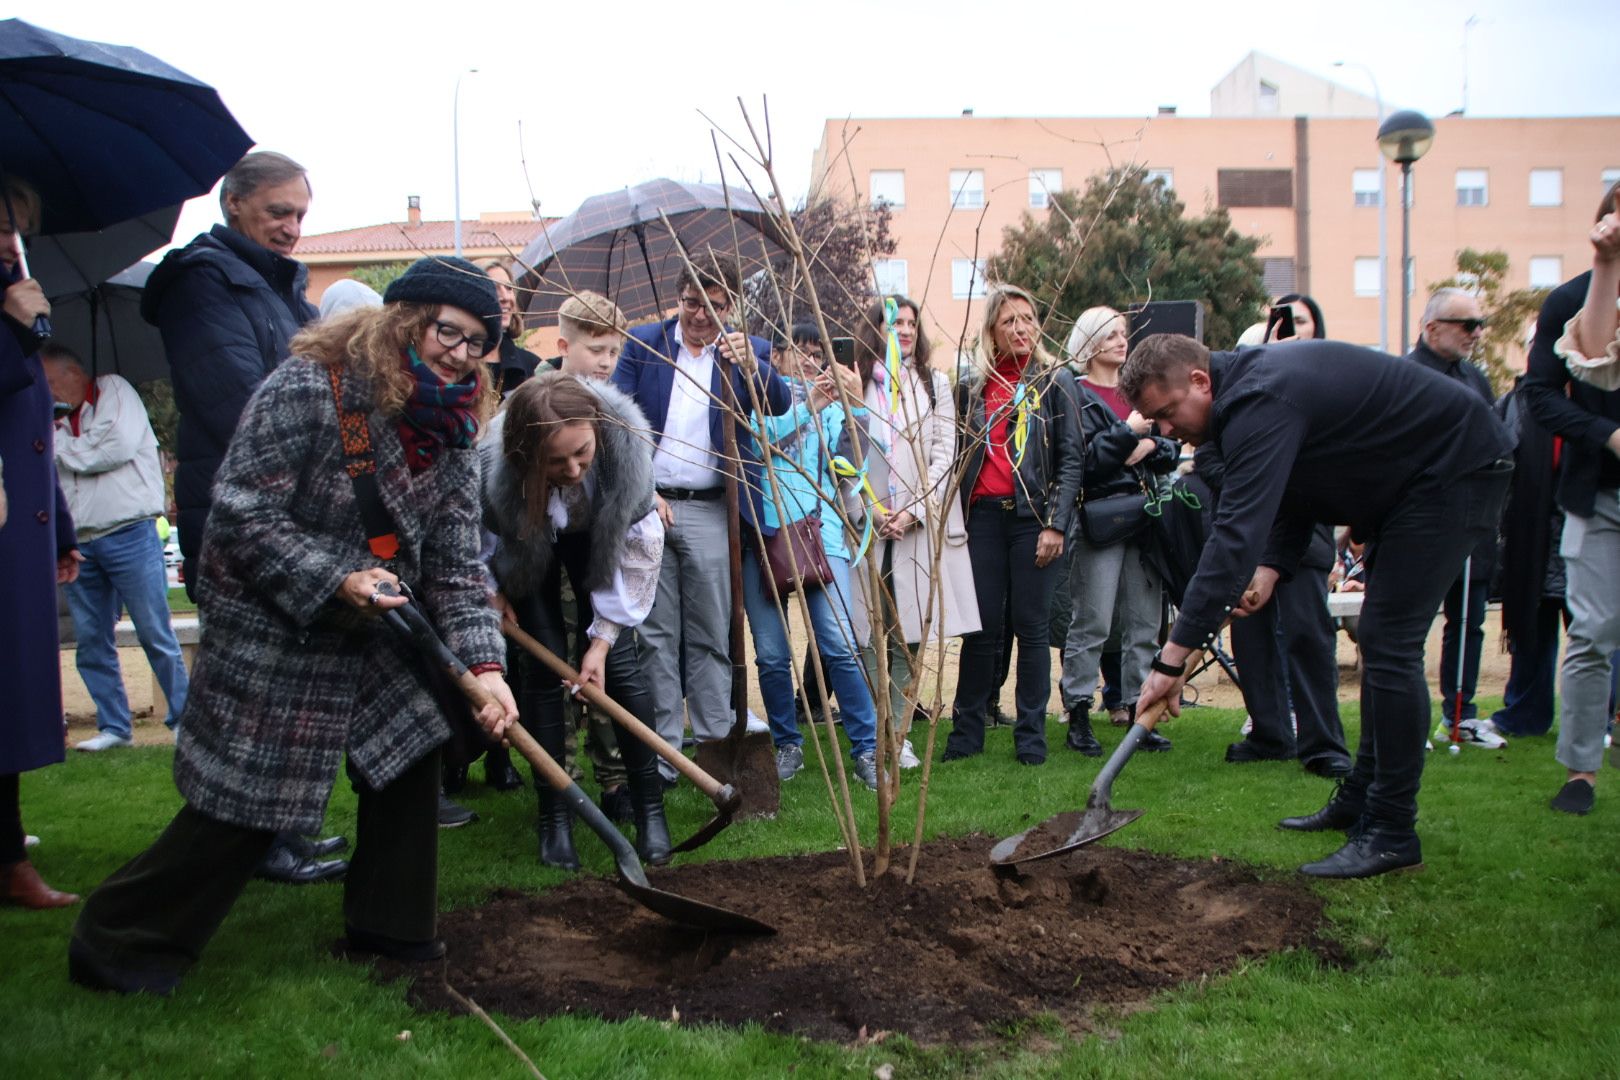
{"points": [[38, 551], [297, 672], [512, 365], [227, 306], [1453, 324], [1022, 470], [1321, 431]]}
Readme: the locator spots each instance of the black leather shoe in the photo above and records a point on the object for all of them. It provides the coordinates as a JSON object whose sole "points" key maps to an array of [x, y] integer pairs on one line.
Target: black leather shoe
{"points": [[1030, 759], [309, 848], [91, 972], [1081, 739], [1244, 751], [618, 805], [1341, 812], [410, 952], [556, 832], [1329, 768], [284, 865], [452, 815], [1155, 743], [499, 772], [1369, 853], [647, 808]]}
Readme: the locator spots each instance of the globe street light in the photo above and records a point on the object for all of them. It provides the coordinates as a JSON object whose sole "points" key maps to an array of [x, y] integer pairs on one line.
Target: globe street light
{"points": [[455, 152], [1403, 138], [1383, 217]]}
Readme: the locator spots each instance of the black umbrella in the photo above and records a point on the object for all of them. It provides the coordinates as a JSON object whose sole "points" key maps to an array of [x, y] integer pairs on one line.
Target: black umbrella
{"points": [[73, 262], [103, 325], [616, 244]]}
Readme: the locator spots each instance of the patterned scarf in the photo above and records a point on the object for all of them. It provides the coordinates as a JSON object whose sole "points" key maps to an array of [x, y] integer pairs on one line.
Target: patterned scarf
{"points": [[436, 414]]}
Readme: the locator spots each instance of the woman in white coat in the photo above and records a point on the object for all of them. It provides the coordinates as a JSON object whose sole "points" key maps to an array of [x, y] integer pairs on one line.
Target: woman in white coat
{"points": [[911, 494]]}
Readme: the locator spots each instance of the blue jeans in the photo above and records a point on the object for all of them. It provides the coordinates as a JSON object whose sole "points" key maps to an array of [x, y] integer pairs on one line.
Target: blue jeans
{"points": [[835, 637], [125, 569]]}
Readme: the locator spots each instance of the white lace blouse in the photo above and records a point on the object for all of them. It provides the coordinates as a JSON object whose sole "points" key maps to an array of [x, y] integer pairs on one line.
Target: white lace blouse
{"points": [[628, 597]]}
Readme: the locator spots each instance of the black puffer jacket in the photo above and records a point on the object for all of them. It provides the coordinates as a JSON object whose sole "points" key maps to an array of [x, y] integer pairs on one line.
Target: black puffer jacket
{"points": [[1054, 460], [227, 309], [1109, 442]]}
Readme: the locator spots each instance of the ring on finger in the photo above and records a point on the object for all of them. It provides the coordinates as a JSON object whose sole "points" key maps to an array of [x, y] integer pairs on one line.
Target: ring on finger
{"points": [[376, 595]]}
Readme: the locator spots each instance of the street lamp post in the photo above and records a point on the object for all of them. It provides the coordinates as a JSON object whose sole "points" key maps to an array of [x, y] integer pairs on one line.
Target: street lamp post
{"points": [[1404, 138], [1383, 219], [455, 151]]}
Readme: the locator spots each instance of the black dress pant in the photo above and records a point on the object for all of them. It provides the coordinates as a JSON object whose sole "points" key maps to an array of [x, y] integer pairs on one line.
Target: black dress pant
{"points": [[1001, 545], [1473, 645], [1286, 659], [1421, 545], [158, 912]]}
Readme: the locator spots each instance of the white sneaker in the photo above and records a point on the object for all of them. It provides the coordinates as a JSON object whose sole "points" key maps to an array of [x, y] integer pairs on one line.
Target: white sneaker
{"points": [[1248, 725], [104, 741], [30, 841], [756, 726], [1471, 733], [908, 756]]}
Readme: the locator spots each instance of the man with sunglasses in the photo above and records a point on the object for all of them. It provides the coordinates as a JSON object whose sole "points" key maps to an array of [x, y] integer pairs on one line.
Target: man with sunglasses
{"points": [[1453, 324]]}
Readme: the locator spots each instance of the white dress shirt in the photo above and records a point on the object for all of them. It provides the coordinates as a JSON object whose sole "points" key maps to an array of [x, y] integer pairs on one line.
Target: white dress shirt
{"points": [[685, 456]]}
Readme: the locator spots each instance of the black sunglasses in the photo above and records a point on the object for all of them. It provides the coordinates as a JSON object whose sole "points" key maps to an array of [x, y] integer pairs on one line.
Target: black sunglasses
{"points": [[1469, 325], [450, 336]]}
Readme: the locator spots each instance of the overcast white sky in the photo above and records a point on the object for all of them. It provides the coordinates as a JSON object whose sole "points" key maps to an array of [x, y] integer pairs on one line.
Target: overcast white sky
{"points": [[609, 92]]}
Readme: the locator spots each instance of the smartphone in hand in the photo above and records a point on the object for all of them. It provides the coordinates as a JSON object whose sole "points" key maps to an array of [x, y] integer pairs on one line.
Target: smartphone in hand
{"points": [[1280, 325], [843, 350]]}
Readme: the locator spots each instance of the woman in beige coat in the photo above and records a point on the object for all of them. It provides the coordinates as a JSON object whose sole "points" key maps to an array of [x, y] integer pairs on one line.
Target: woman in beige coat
{"points": [[912, 473]]}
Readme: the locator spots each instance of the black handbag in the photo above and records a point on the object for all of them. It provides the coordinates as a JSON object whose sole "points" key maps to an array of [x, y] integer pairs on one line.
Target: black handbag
{"points": [[1114, 519]]}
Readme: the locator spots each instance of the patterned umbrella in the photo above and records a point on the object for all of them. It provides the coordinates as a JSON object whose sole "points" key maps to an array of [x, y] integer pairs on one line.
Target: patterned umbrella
{"points": [[616, 244]]}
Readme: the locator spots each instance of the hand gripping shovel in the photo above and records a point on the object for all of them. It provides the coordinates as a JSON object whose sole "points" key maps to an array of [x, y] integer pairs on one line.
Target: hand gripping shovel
{"points": [[409, 621], [726, 798]]}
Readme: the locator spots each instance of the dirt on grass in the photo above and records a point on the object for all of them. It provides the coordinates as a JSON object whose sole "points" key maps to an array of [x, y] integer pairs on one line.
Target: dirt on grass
{"points": [[965, 952]]}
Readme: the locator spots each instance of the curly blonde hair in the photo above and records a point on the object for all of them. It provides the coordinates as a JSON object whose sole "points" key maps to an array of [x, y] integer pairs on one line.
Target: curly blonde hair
{"points": [[370, 342]]}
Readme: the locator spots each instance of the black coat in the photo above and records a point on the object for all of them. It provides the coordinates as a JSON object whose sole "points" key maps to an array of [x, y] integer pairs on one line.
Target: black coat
{"points": [[1054, 463], [1482, 564], [1578, 412], [1531, 569], [227, 309], [1109, 441]]}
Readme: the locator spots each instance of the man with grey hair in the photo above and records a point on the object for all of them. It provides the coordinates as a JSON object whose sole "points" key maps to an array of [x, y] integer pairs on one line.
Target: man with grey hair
{"points": [[228, 305], [1453, 323]]}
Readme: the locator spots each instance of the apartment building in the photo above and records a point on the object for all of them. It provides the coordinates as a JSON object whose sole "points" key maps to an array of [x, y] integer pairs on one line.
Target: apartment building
{"points": [[1306, 185]]}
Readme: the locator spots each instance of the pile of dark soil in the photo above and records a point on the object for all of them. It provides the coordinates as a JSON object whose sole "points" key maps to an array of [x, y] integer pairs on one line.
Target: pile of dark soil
{"points": [[963, 949]]}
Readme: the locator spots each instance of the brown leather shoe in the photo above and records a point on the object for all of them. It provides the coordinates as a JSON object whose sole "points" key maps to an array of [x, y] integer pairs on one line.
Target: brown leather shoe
{"points": [[23, 886]]}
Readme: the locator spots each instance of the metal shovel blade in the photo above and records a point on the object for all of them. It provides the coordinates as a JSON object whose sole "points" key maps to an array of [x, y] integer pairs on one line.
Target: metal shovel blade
{"points": [[1074, 829]]}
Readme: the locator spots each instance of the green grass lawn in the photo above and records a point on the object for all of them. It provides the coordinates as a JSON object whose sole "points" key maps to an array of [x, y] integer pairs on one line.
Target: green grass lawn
{"points": [[178, 602], [1498, 960]]}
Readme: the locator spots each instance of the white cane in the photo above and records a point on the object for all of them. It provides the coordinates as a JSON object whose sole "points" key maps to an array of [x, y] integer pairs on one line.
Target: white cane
{"points": [[1462, 657]]}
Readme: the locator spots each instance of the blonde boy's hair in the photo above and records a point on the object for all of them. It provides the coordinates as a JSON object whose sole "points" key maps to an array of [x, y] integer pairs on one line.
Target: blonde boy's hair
{"points": [[590, 314]]}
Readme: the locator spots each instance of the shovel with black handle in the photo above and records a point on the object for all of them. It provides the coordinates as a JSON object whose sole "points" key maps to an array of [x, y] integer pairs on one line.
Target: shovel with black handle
{"points": [[632, 878]]}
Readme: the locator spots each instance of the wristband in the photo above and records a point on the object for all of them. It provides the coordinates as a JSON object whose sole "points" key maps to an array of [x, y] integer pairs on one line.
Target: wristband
{"points": [[480, 669], [1173, 670]]}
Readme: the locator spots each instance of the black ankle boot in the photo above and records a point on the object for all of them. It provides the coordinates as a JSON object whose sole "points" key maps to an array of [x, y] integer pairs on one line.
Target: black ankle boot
{"points": [[1081, 739], [1343, 810], [647, 807], [556, 831]]}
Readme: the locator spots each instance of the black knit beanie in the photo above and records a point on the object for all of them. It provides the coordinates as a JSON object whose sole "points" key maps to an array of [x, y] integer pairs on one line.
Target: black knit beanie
{"points": [[446, 279]]}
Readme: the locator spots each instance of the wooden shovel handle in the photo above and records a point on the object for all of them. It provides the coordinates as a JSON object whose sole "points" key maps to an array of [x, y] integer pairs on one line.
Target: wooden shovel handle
{"points": [[1159, 709], [618, 713], [535, 754]]}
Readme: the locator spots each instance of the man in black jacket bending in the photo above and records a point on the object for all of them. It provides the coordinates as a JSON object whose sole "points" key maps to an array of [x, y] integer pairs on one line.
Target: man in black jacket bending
{"points": [[1321, 431]]}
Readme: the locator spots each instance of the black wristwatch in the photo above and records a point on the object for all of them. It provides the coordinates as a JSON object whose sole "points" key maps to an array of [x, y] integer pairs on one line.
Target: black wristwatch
{"points": [[1175, 671]]}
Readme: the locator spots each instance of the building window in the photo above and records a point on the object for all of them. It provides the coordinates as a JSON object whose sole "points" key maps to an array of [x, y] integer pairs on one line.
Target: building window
{"points": [[1364, 186], [1546, 187], [1610, 178], [1255, 187], [1367, 276], [1473, 187], [1043, 184], [1546, 271], [1167, 177], [890, 275], [888, 186], [967, 189], [967, 279], [1269, 100], [1279, 276]]}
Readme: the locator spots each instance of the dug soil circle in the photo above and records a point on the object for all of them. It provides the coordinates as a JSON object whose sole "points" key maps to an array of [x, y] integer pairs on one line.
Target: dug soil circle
{"points": [[962, 952]]}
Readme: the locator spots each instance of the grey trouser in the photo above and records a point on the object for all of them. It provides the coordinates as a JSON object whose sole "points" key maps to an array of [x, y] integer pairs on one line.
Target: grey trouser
{"points": [[686, 641], [1111, 589], [1591, 550]]}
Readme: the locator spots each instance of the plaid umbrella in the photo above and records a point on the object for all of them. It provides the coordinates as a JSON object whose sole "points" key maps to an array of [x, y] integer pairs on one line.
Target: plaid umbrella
{"points": [[616, 244]]}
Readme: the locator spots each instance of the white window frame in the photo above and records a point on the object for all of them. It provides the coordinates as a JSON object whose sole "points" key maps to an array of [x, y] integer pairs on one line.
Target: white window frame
{"points": [[1546, 187], [1472, 180], [1268, 98], [1167, 175], [1546, 279], [1609, 177], [1043, 184], [887, 197], [1365, 275], [967, 189], [974, 287], [892, 277], [1360, 193]]}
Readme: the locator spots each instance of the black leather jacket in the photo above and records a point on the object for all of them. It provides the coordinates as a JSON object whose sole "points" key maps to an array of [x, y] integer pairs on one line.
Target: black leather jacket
{"points": [[1109, 441], [1053, 463]]}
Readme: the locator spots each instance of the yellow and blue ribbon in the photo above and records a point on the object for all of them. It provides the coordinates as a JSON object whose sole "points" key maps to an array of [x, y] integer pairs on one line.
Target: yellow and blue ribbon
{"points": [[892, 358]]}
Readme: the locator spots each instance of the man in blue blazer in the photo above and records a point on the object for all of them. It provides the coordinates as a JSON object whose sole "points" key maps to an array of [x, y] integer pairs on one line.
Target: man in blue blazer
{"points": [[672, 371]]}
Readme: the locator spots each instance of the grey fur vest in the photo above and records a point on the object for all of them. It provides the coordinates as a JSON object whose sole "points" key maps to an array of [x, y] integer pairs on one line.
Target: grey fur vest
{"points": [[624, 495]]}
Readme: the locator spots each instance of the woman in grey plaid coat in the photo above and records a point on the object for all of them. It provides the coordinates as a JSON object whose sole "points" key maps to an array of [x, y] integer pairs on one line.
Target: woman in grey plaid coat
{"points": [[296, 671]]}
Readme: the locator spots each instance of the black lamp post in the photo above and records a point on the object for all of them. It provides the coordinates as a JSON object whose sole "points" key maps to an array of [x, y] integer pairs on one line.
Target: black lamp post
{"points": [[1403, 138]]}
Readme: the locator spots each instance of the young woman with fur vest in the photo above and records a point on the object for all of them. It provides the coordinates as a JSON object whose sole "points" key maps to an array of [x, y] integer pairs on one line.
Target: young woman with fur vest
{"points": [[568, 488]]}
